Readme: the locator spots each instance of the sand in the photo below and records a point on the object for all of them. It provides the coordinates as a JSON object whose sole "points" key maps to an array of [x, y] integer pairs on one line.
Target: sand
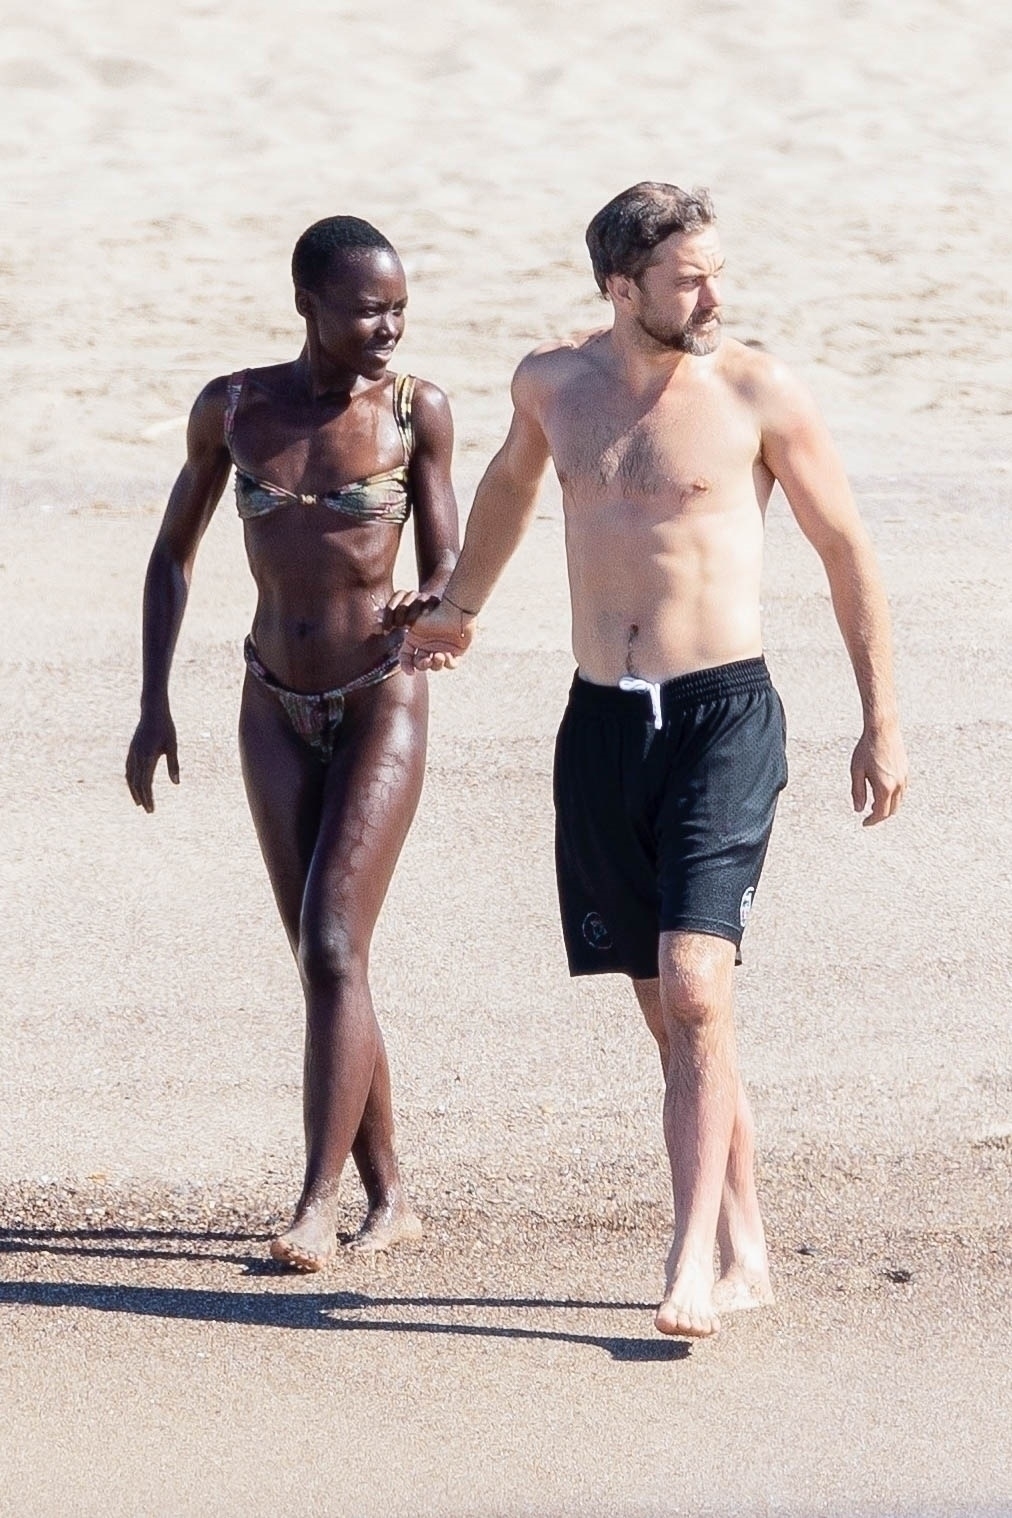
{"points": [[158, 169]]}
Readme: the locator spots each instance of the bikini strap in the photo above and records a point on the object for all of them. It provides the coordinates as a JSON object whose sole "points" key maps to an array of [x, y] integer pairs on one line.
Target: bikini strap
{"points": [[404, 389], [233, 394]]}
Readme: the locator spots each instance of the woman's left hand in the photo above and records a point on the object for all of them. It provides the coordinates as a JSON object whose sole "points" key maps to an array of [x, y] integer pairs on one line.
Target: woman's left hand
{"points": [[405, 607]]}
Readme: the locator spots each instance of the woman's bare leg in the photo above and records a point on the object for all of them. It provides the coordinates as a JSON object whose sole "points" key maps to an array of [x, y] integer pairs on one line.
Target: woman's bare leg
{"points": [[330, 837]]}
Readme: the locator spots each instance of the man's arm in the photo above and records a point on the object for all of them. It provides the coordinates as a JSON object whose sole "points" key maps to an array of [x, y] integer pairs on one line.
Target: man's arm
{"points": [[191, 504], [503, 507], [799, 452]]}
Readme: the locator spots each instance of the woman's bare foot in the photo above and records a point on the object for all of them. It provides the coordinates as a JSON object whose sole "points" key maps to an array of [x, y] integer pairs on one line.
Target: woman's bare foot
{"points": [[739, 1290], [687, 1309], [389, 1222], [310, 1243]]}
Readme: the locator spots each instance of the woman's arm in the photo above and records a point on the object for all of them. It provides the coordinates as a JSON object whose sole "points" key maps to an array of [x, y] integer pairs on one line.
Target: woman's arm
{"points": [[434, 504], [191, 505]]}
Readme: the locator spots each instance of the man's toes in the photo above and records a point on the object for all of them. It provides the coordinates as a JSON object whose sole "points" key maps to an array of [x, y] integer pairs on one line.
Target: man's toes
{"points": [[686, 1324]]}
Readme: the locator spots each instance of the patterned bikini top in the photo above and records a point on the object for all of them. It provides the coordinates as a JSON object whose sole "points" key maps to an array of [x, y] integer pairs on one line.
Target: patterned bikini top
{"points": [[378, 498]]}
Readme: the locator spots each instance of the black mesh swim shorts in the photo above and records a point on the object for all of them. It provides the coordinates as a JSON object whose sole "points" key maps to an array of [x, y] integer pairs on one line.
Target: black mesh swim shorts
{"points": [[664, 804]]}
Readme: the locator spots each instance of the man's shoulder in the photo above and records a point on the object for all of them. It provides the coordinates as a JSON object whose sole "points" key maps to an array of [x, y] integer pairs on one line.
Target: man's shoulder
{"points": [[557, 361], [779, 399], [573, 347], [752, 370]]}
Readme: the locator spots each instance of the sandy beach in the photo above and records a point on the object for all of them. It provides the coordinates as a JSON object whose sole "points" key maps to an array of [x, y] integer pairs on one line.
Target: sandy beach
{"points": [[158, 168]]}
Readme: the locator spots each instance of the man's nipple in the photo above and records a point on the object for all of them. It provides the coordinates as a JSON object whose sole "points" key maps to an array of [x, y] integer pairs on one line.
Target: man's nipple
{"points": [[700, 486]]}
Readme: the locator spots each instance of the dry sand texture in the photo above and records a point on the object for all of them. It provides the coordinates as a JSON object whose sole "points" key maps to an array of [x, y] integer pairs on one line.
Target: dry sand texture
{"points": [[159, 163]]}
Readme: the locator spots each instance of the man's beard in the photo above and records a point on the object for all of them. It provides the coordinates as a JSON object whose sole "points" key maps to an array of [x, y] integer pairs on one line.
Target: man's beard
{"points": [[697, 337]]}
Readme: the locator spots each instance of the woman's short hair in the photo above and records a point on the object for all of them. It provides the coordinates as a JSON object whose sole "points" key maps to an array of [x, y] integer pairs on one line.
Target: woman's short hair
{"points": [[329, 242]]}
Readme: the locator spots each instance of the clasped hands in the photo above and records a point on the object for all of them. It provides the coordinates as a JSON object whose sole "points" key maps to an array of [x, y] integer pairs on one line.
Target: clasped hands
{"points": [[436, 632]]}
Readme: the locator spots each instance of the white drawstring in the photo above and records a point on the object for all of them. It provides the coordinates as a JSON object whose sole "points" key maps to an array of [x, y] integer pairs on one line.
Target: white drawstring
{"points": [[653, 689]]}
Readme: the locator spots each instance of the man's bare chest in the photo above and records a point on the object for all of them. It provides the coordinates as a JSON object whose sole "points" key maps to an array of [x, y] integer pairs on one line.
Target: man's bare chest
{"points": [[680, 448]]}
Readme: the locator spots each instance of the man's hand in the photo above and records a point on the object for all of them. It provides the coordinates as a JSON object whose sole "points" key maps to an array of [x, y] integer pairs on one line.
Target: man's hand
{"points": [[436, 639], [155, 736], [879, 764]]}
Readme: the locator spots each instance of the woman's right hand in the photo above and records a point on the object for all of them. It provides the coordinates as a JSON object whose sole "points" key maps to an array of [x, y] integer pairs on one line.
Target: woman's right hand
{"points": [[155, 736]]}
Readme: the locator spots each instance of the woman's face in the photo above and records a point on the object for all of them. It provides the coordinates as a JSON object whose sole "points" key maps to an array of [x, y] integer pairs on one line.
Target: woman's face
{"points": [[359, 312]]}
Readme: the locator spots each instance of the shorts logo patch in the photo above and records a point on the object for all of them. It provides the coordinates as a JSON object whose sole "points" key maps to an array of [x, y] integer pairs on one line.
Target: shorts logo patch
{"points": [[595, 932], [746, 905]]}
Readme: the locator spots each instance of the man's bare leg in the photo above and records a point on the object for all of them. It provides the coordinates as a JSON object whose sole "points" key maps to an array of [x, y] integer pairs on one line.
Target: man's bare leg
{"points": [[744, 1280], [701, 1083], [741, 1239]]}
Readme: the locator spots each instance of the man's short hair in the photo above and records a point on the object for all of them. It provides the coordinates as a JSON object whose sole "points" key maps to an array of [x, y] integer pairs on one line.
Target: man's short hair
{"points": [[328, 242], [625, 232]]}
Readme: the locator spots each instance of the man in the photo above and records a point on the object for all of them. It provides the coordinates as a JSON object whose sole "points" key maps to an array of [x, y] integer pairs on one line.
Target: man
{"points": [[667, 439]]}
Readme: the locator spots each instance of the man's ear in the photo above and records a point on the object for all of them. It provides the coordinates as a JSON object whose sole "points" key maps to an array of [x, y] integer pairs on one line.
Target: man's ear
{"points": [[303, 302], [619, 287]]}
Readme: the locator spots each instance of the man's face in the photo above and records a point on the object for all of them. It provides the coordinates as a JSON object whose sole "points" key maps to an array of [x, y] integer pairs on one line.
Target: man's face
{"points": [[676, 300], [359, 312]]}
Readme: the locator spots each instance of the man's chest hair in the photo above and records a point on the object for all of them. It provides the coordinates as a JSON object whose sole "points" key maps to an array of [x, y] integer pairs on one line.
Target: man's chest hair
{"points": [[675, 449]]}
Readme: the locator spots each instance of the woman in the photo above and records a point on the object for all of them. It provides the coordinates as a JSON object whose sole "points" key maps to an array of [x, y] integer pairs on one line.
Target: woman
{"points": [[331, 453]]}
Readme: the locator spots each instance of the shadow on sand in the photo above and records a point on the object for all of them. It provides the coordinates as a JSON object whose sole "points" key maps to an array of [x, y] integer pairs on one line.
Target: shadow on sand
{"points": [[130, 1244], [345, 1311]]}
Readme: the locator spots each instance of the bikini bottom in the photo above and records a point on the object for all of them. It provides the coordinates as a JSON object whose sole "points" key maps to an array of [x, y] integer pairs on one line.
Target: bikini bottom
{"points": [[316, 716]]}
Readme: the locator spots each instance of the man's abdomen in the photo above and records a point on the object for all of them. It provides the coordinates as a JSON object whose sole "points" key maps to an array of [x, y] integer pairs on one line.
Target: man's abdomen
{"points": [[658, 596]]}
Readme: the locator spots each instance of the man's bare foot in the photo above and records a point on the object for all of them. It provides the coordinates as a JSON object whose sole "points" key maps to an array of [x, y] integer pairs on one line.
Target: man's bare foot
{"points": [[738, 1290], [310, 1243], [385, 1225], [687, 1309]]}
